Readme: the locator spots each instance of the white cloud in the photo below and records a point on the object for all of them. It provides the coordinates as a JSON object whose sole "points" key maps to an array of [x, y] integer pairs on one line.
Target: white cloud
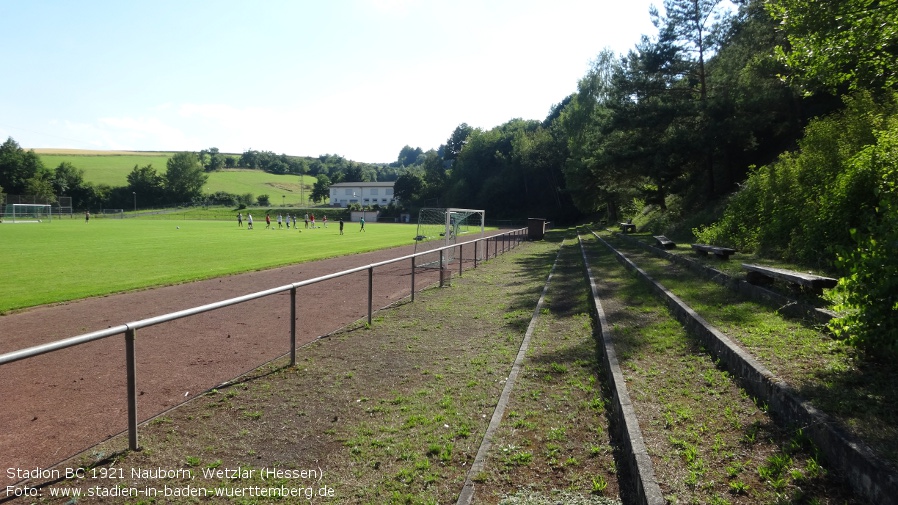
{"points": [[141, 131]]}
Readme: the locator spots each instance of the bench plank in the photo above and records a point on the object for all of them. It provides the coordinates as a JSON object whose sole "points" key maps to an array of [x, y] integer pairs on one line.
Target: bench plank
{"points": [[664, 242], [815, 283], [721, 252]]}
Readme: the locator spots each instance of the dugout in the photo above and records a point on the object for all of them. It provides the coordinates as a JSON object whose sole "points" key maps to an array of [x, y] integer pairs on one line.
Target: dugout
{"points": [[536, 228]]}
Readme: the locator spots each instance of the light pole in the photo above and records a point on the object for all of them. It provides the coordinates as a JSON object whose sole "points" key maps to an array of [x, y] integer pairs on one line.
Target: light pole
{"points": [[135, 200]]}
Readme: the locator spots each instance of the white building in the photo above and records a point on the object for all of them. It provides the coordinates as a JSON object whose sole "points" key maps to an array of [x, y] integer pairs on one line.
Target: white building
{"points": [[365, 194]]}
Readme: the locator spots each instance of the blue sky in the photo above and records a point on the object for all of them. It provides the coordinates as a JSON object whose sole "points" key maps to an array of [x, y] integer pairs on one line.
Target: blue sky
{"points": [[358, 78]]}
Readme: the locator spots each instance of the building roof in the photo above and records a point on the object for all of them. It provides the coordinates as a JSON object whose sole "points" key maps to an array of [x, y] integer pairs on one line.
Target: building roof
{"points": [[363, 184]]}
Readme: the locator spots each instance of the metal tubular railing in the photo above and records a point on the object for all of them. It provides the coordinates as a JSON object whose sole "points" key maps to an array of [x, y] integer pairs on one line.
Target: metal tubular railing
{"points": [[130, 329]]}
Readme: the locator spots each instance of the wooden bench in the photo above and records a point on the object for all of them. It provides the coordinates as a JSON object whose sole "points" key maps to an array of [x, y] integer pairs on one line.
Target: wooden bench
{"points": [[664, 242], [628, 227], [721, 252], [758, 274]]}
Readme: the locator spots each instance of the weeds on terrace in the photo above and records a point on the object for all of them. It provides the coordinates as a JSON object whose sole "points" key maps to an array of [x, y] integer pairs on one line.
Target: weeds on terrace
{"points": [[555, 434], [831, 375], [707, 437]]}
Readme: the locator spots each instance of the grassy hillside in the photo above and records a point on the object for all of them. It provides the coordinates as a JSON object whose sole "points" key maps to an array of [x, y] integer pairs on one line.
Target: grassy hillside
{"points": [[280, 188], [104, 167], [113, 167]]}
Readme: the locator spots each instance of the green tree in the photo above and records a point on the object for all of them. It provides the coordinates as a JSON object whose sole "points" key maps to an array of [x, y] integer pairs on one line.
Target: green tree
{"points": [[321, 189], [838, 43], [277, 167], [41, 188], [541, 155], [68, 180], [18, 167], [66, 176], [435, 176], [870, 288], [592, 184], [652, 136], [354, 172], [184, 177], [250, 159], [299, 167], [147, 184], [409, 189], [752, 114], [457, 141], [691, 28], [802, 206], [212, 159], [408, 156], [486, 174]]}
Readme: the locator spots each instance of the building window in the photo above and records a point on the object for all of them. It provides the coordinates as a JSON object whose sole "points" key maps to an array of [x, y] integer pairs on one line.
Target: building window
{"points": [[373, 191], [389, 191]]}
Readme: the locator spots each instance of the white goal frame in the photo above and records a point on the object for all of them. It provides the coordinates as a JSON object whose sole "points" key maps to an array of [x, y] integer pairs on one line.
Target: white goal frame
{"points": [[28, 212], [441, 227]]}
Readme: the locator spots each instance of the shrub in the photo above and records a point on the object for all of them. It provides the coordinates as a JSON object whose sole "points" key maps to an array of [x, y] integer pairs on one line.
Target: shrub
{"points": [[833, 203], [869, 292], [802, 206]]}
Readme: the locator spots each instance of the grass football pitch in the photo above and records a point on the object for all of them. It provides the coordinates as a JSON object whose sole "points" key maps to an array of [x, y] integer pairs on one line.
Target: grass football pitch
{"points": [[69, 259]]}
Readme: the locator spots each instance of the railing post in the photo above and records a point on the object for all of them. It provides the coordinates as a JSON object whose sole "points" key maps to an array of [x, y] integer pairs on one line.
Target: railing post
{"points": [[131, 365], [441, 267], [495, 248], [461, 259], [413, 278], [475, 253], [370, 293], [293, 326]]}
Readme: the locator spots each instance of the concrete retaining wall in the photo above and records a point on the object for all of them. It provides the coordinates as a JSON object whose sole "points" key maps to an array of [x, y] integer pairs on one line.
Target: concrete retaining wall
{"points": [[625, 424]]}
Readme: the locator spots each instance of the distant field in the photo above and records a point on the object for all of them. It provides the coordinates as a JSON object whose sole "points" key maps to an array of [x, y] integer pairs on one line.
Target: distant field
{"points": [[68, 259], [113, 167], [106, 168], [96, 152], [279, 188]]}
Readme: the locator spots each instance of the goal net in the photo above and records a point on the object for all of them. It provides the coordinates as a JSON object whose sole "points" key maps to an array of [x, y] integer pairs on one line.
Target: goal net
{"points": [[27, 213], [63, 206], [444, 227]]}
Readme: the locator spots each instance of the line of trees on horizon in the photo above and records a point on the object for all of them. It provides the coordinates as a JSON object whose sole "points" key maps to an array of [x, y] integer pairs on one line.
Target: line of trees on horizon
{"points": [[179, 183]]}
